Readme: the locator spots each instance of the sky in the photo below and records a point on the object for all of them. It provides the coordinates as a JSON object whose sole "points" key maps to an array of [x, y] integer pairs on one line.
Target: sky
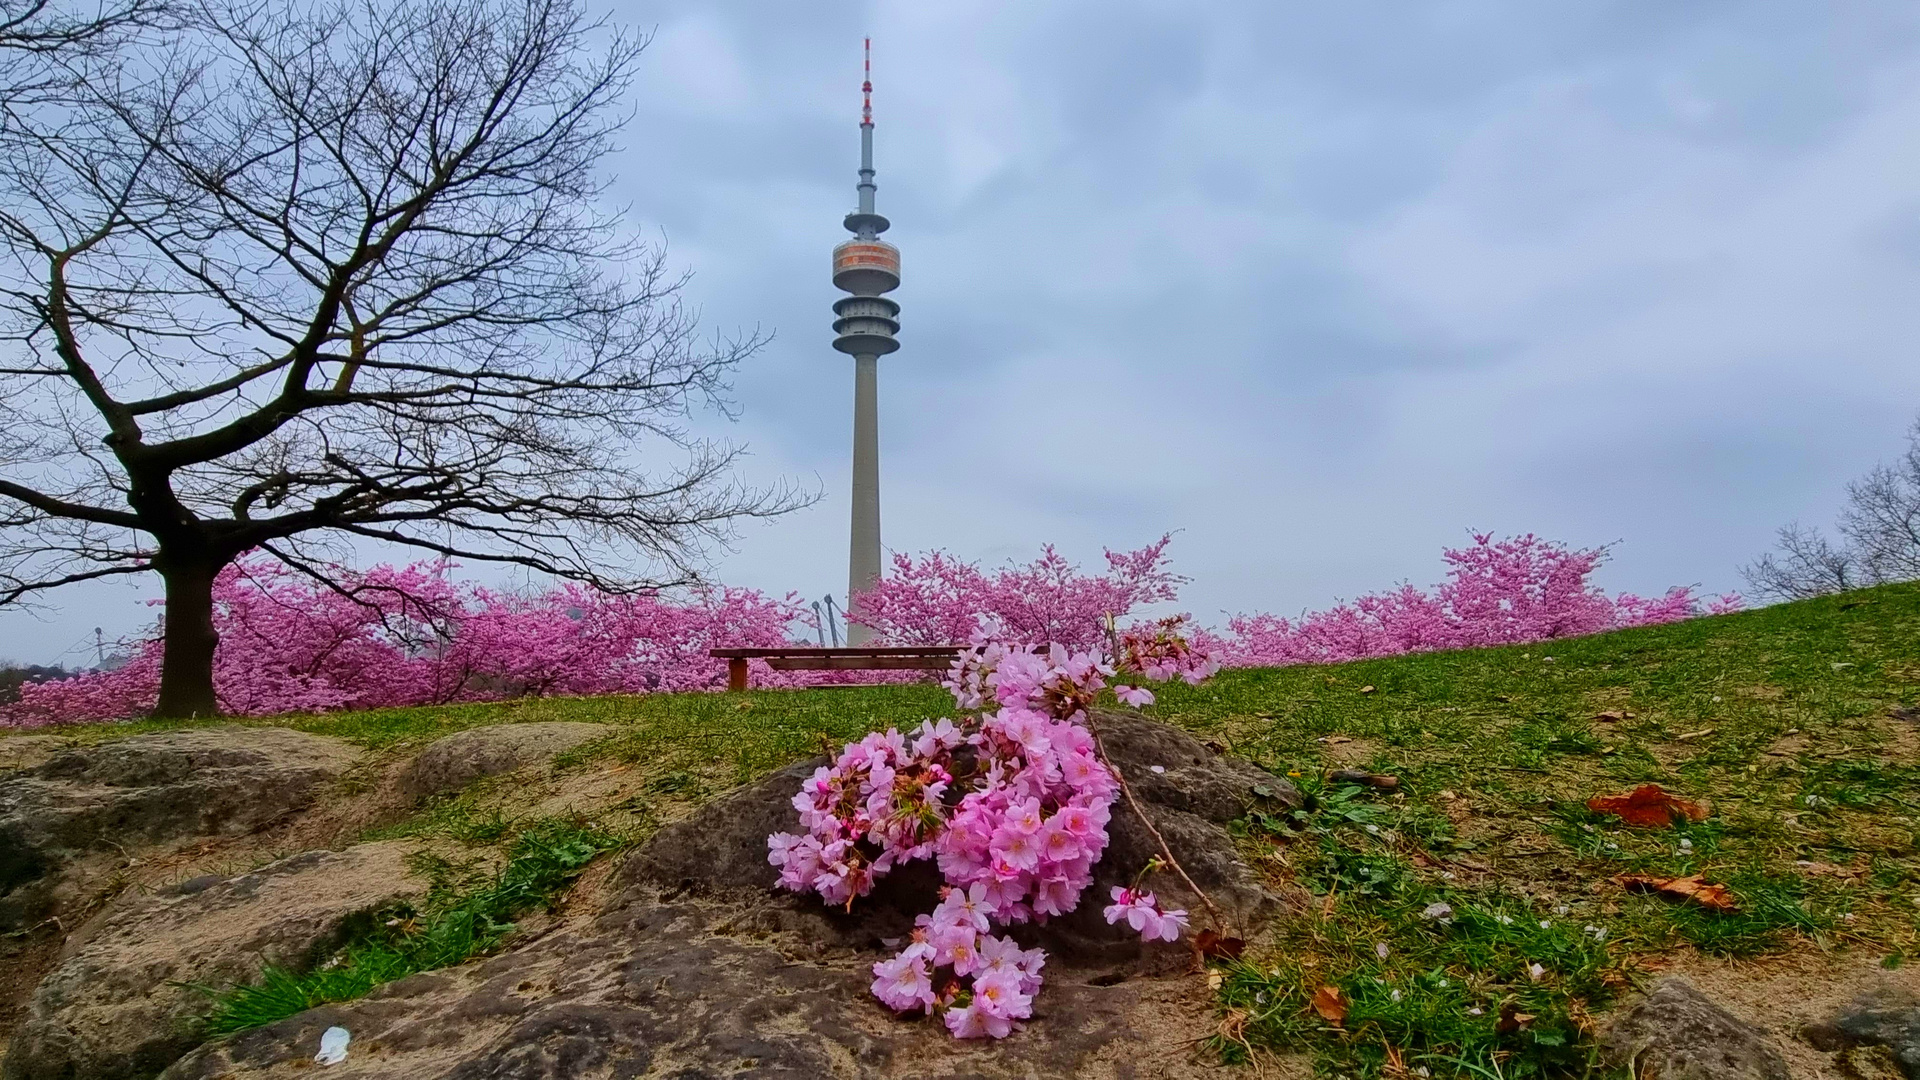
{"points": [[1318, 288]]}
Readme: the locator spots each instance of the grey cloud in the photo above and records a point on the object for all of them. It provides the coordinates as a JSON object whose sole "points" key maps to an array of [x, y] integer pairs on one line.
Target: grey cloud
{"points": [[1321, 286]]}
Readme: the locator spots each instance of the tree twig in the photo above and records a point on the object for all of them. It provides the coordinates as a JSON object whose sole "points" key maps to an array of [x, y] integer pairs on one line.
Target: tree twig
{"points": [[1127, 790]]}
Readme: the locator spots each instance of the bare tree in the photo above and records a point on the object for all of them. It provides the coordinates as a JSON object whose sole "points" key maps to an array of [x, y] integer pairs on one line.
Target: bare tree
{"points": [[335, 272], [1806, 565], [1879, 538], [1882, 518]]}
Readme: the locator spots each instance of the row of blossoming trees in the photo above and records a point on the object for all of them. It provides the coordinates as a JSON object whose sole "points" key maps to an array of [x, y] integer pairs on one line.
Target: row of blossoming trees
{"points": [[409, 636]]}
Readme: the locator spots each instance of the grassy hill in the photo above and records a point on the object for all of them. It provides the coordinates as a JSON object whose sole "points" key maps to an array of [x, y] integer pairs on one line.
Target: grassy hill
{"points": [[1428, 909]]}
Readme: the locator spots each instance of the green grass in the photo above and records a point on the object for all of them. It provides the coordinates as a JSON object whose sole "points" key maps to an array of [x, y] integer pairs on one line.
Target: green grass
{"points": [[1779, 718], [463, 915]]}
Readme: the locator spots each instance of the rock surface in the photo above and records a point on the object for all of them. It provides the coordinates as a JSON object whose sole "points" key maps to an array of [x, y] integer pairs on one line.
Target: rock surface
{"points": [[458, 760], [1676, 1033], [26, 751], [149, 789], [115, 1007], [695, 969], [1885, 1016]]}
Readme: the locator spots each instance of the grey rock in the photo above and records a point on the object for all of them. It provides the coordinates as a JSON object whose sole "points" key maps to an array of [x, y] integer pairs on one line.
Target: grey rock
{"points": [[722, 850], [150, 789], [119, 1005], [25, 751], [695, 969], [1886, 1016], [459, 759], [668, 990], [1677, 1033]]}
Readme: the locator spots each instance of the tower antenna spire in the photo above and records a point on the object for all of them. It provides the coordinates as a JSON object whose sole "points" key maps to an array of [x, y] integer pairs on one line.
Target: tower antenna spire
{"points": [[866, 189]]}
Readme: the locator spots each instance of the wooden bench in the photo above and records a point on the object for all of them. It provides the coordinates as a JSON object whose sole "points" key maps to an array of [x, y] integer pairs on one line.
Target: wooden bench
{"points": [[813, 658]]}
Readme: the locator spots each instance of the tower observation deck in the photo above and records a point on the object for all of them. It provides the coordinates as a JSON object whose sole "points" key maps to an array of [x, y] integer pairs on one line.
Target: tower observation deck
{"points": [[865, 322]]}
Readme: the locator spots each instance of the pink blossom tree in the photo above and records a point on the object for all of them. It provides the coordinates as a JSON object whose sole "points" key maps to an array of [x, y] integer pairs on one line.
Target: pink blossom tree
{"points": [[1497, 592], [940, 600], [393, 636], [389, 636]]}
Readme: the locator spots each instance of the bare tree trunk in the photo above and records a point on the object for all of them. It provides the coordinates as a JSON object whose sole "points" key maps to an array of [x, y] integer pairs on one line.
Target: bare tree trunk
{"points": [[186, 666]]}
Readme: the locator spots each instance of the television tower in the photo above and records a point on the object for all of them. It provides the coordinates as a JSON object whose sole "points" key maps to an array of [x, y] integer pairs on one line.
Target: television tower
{"points": [[864, 323]]}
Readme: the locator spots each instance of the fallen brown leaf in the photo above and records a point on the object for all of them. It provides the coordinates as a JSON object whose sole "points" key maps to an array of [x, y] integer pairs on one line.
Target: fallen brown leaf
{"points": [[1330, 1005], [1512, 1019], [1219, 946], [1692, 888], [1647, 807]]}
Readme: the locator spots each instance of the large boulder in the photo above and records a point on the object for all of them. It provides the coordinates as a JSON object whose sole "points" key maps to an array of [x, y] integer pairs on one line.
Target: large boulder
{"points": [[120, 1005], [1188, 791], [459, 759], [150, 789], [1678, 1033], [696, 968], [671, 989]]}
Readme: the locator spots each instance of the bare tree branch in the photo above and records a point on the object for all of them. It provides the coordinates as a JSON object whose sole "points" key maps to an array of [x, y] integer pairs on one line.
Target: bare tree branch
{"points": [[342, 270], [1879, 538]]}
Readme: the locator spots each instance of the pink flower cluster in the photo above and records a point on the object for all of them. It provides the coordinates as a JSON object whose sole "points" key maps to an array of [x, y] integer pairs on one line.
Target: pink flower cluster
{"points": [[1014, 807], [1000, 977]]}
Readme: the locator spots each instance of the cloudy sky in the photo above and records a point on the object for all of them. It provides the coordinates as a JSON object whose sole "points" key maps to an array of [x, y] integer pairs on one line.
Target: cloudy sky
{"points": [[1320, 287]]}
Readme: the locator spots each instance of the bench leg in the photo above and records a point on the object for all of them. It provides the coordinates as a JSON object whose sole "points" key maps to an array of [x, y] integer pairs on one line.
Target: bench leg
{"points": [[736, 673]]}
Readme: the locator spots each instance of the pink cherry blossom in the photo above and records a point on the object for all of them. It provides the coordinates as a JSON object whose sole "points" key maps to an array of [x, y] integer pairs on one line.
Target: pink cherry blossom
{"points": [[1143, 913], [902, 983]]}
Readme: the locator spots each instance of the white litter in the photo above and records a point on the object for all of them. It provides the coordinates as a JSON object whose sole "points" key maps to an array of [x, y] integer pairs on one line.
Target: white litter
{"points": [[333, 1047]]}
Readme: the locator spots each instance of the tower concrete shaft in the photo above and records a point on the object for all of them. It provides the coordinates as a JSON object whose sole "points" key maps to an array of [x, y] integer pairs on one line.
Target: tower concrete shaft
{"points": [[863, 559], [864, 326]]}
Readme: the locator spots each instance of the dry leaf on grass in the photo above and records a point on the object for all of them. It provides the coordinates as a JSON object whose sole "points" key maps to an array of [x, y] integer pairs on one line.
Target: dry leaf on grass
{"points": [[1218, 946], [1647, 807], [1512, 1019], [1692, 888], [1330, 1005]]}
